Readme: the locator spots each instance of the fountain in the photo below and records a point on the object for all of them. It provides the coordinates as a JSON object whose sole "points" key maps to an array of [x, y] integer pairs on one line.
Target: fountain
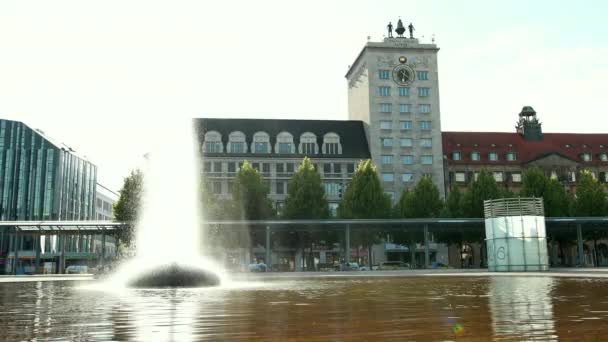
{"points": [[169, 240]]}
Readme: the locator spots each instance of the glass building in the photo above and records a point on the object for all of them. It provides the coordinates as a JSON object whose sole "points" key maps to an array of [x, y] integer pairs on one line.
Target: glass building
{"points": [[41, 179]]}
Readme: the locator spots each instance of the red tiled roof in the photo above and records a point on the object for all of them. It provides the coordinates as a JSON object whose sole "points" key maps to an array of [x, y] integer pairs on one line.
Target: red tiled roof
{"points": [[526, 151]]}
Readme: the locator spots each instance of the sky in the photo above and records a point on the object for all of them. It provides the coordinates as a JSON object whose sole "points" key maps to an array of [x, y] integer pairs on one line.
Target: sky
{"points": [[105, 77]]}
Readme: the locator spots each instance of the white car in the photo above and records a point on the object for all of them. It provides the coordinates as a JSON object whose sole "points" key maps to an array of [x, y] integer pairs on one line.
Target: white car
{"points": [[74, 269]]}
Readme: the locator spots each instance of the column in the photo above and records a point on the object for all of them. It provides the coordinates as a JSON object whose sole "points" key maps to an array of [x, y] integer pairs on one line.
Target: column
{"points": [[268, 261], [347, 243], [37, 249], [11, 238], [579, 240], [62, 241], [103, 247], [426, 246]]}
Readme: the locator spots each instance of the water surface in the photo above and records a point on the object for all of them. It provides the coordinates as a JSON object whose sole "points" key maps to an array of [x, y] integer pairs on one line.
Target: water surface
{"points": [[317, 309]]}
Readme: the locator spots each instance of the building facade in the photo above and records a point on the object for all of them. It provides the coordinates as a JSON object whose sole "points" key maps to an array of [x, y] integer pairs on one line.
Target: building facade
{"points": [[104, 202], [41, 179], [508, 155], [393, 86], [276, 148]]}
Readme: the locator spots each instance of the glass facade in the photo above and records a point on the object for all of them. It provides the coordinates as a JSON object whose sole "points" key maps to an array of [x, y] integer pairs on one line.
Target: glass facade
{"points": [[40, 180]]}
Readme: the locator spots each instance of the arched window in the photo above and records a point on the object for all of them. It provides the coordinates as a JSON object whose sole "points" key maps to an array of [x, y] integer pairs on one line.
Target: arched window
{"points": [[308, 144], [236, 142], [331, 144], [260, 143], [213, 142], [284, 143]]}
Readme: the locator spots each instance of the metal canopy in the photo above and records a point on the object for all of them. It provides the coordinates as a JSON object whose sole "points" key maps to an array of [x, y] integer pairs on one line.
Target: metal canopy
{"points": [[49, 227]]}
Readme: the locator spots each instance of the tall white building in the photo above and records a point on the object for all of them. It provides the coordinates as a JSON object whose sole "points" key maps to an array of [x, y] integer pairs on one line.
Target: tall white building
{"points": [[104, 200], [393, 86]]}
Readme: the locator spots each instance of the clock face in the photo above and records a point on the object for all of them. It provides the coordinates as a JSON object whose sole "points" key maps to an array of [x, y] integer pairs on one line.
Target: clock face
{"points": [[403, 74]]}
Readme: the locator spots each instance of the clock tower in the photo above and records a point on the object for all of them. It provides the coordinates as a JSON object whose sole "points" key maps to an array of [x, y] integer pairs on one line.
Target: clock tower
{"points": [[393, 86]]}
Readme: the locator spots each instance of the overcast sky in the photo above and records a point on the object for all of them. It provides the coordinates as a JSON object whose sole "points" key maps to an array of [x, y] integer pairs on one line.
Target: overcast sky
{"points": [[103, 76]]}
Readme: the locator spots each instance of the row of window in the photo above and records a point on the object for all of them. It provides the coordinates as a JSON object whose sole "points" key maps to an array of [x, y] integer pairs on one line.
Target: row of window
{"points": [[499, 176], [280, 188], [404, 108], [279, 168], [385, 74], [261, 143], [405, 124], [407, 159], [492, 156], [406, 177], [385, 91], [589, 157]]}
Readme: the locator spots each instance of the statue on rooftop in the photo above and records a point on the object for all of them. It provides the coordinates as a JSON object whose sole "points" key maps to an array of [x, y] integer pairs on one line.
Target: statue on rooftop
{"points": [[400, 29], [411, 28], [390, 29]]}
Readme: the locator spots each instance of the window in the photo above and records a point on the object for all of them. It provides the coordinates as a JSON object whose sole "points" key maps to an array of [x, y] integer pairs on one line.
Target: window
{"points": [[405, 108], [426, 160], [337, 168], [207, 167], [285, 148], [426, 142], [386, 142], [280, 190], [350, 168], [460, 177], [217, 187], [423, 91], [384, 91], [390, 194], [331, 144], [266, 168], [231, 167], [237, 147], [424, 125], [516, 177], [407, 177], [603, 157], [386, 108], [404, 91], [511, 156], [308, 143], [261, 147], [422, 75], [475, 156], [497, 176], [255, 166], [455, 155], [586, 157], [385, 124], [407, 159], [424, 108], [280, 168], [261, 143], [326, 168], [493, 156], [213, 147], [308, 148], [384, 74], [405, 124], [387, 159], [290, 167], [388, 177], [217, 166], [405, 142]]}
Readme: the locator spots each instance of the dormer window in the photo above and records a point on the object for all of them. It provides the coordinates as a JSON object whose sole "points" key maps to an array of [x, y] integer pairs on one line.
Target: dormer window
{"points": [[586, 157], [213, 142], [493, 156], [603, 157], [236, 142], [510, 156], [285, 144], [261, 143], [567, 146], [331, 144], [475, 156], [493, 145], [308, 144], [455, 155], [602, 146]]}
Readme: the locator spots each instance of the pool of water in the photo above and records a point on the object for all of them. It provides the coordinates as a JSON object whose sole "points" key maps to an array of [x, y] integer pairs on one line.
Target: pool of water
{"points": [[312, 309]]}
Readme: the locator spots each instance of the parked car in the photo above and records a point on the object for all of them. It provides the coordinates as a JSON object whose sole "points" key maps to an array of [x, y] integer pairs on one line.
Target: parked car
{"points": [[258, 267], [76, 269], [349, 266], [393, 265], [436, 264]]}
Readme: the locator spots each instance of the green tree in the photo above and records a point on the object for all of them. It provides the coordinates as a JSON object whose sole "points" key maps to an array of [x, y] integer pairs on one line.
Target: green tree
{"points": [[484, 188], [590, 196], [423, 202], [126, 209], [453, 204], [364, 198], [555, 199], [305, 194], [250, 195]]}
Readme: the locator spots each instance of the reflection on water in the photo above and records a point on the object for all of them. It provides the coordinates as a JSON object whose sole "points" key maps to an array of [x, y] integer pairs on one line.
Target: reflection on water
{"points": [[522, 308], [413, 308]]}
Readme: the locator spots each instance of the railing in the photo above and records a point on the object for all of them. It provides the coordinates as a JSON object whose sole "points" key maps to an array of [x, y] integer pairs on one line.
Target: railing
{"points": [[520, 206]]}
